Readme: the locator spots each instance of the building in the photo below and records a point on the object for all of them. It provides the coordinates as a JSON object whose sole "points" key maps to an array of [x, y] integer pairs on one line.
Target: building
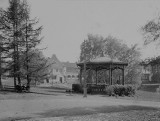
{"points": [[61, 72], [151, 70], [146, 73], [71, 72]]}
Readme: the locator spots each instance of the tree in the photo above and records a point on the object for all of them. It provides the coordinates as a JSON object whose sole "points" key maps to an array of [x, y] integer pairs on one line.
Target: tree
{"points": [[21, 35], [30, 37], [151, 31], [10, 26], [97, 46], [1, 50], [37, 66]]}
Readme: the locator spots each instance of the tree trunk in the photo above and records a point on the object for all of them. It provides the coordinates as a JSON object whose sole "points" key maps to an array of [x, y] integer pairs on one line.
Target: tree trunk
{"points": [[28, 84], [1, 86], [14, 57], [15, 83], [27, 61], [18, 64], [19, 80], [85, 83]]}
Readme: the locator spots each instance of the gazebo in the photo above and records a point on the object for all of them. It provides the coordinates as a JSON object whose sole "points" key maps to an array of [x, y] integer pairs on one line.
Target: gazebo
{"points": [[101, 63]]}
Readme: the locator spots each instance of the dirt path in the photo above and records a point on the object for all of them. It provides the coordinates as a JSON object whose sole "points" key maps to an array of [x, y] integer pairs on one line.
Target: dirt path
{"points": [[42, 106]]}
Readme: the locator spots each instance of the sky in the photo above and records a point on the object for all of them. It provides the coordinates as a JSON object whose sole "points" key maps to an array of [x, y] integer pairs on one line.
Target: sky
{"points": [[66, 23]]}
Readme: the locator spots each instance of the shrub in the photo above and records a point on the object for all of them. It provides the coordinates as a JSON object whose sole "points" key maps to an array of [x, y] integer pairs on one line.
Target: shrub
{"points": [[120, 90], [155, 78], [77, 88], [110, 90]]}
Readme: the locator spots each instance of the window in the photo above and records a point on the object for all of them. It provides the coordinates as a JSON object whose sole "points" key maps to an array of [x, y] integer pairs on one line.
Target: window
{"points": [[60, 79], [145, 77], [69, 76], [73, 76], [54, 77], [47, 80]]}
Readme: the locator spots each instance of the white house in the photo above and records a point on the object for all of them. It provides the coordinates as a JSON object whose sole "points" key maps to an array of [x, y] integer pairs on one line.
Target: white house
{"points": [[71, 72], [61, 72]]}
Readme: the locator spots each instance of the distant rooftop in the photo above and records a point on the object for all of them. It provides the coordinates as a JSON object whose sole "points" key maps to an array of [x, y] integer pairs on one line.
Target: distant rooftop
{"points": [[71, 67], [68, 64]]}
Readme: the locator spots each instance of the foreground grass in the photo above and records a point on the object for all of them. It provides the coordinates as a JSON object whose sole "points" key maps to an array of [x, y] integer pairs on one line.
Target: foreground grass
{"points": [[69, 111], [50, 92], [107, 113], [118, 116]]}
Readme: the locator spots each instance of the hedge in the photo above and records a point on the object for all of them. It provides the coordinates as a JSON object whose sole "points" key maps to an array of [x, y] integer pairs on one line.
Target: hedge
{"points": [[120, 90], [112, 90], [77, 88]]}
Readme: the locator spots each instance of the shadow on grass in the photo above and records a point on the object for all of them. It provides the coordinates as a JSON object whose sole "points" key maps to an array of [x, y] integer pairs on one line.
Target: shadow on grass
{"points": [[42, 93], [7, 91], [59, 88], [16, 119], [56, 91], [89, 110]]}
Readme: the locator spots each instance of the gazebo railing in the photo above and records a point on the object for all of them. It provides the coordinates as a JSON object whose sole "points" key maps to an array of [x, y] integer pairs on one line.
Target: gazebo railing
{"points": [[98, 88]]}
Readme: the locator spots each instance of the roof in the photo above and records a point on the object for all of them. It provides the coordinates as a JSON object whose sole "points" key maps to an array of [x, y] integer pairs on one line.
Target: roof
{"points": [[71, 67], [103, 60], [151, 61], [68, 64], [56, 64]]}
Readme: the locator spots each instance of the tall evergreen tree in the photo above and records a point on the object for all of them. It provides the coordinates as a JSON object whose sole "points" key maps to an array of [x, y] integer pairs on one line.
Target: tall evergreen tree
{"points": [[21, 35], [10, 24], [30, 38]]}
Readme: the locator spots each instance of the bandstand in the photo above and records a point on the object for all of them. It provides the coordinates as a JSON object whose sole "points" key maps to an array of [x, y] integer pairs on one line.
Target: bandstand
{"points": [[102, 63]]}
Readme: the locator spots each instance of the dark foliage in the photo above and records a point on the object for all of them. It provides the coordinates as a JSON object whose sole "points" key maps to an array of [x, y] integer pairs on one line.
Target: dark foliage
{"points": [[120, 90], [156, 77], [77, 88]]}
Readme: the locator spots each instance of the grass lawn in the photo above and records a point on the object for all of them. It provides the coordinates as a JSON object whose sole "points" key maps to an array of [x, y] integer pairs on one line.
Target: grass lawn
{"points": [[131, 115], [55, 104]]}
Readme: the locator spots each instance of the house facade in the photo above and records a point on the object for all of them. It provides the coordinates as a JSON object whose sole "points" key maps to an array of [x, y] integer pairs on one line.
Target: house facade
{"points": [[71, 73], [61, 72], [146, 73], [151, 70]]}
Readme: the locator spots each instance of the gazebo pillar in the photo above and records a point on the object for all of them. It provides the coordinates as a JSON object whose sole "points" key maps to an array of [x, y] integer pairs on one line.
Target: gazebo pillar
{"points": [[96, 76], [110, 75], [85, 82], [80, 75], [123, 76]]}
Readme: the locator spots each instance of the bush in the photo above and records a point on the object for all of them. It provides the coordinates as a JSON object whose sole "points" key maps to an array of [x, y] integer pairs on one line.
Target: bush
{"points": [[120, 90], [155, 78], [77, 88]]}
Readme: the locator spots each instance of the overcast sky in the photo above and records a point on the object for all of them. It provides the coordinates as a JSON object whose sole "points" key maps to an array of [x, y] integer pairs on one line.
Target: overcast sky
{"points": [[66, 23]]}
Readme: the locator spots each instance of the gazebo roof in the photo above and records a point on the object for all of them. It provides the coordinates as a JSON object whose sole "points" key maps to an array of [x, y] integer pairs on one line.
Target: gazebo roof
{"points": [[103, 60]]}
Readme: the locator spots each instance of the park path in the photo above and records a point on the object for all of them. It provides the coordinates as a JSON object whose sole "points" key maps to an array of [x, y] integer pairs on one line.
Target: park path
{"points": [[33, 107]]}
